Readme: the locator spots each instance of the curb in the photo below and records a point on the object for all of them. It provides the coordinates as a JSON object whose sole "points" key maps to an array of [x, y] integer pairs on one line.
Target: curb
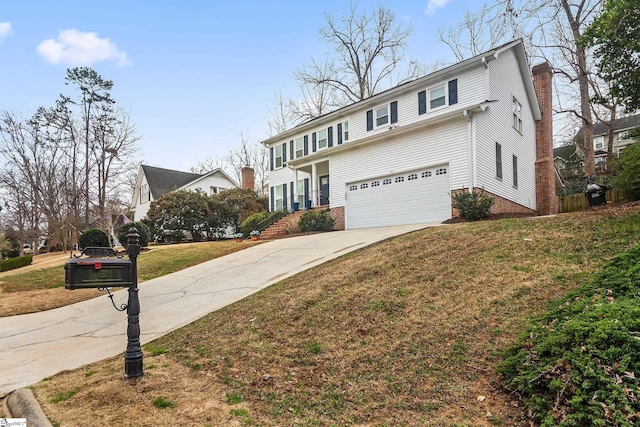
{"points": [[23, 404]]}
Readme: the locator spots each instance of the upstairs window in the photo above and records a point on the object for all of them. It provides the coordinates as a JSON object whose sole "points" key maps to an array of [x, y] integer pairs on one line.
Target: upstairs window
{"points": [[516, 107], [213, 190], [278, 156], [145, 194], [299, 146], [437, 97], [382, 115], [322, 139], [345, 131], [598, 142]]}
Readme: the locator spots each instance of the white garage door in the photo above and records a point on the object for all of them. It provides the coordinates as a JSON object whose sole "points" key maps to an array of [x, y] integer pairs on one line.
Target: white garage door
{"points": [[413, 197]]}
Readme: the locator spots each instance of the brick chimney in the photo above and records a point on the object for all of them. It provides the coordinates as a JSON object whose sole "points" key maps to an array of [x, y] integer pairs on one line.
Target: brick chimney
{"points": [[248, 180], [546, 199]]}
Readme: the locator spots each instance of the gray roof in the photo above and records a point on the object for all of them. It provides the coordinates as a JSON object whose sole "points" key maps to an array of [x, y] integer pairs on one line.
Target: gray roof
{"points": [[620, 124], [161, 181], [565, 152]]}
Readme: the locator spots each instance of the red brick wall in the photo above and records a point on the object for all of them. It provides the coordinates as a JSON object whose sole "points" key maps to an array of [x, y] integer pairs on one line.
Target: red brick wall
{"points": [[248, 178], [546, 200], [500, 205], [338, 216]]}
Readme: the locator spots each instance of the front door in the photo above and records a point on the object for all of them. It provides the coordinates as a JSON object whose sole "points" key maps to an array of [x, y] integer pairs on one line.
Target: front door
{"points": [[324, 190]]}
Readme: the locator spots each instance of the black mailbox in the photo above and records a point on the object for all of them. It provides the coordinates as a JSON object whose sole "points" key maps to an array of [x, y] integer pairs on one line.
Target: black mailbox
{"points": [[97, 273]]}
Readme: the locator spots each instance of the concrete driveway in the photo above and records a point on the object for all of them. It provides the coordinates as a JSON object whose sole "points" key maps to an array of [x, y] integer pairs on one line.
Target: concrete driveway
{"points": [[38, 345]]}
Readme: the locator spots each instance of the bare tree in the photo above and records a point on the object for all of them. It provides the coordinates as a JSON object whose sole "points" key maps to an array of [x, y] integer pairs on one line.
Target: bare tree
{"points": [[551, 29], [282, 116], [366, 50], [253, 155]]}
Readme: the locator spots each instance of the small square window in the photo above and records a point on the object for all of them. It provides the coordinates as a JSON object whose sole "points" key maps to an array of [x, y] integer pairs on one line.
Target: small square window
{"points": [[441, 171], [400, 179], [413, 176], [363, 186], [375, 184], [353, 188], [426, 174], [386, 181]]}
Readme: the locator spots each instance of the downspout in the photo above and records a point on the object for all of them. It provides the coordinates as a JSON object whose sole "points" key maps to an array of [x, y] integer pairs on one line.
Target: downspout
{"points": [[471, 140]]}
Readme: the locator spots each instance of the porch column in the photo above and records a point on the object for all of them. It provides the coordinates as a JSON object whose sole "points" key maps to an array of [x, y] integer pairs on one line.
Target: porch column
{"points": [[314, 184]]}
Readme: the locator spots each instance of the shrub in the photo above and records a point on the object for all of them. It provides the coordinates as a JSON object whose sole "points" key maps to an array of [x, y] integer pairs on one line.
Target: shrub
{"points": [[315, 220], [93, 237], [251, 223], [627, 169], [473, 205], [578, 363], [13, 263], [143, 231]]}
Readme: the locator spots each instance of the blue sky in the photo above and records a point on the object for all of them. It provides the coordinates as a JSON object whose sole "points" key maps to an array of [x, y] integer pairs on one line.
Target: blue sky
{"points": [[193, 74]]}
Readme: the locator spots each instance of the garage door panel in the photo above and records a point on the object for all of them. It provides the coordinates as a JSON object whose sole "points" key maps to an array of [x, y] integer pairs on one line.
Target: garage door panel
{"points": [[409, 198]]}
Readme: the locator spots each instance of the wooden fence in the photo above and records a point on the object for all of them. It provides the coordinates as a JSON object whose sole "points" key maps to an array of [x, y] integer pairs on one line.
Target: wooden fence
{"points": [[578, 202]]}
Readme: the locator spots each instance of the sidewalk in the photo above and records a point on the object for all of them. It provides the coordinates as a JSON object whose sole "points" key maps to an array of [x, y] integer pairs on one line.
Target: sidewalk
{"points": [[34, 346]]}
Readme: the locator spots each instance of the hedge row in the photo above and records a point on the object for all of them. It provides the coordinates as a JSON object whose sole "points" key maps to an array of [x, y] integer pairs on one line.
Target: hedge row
{"points": [[13, 263]]}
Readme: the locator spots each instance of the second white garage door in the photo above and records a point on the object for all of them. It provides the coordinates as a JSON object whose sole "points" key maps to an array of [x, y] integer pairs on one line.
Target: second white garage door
{"points": [[415, 197]]}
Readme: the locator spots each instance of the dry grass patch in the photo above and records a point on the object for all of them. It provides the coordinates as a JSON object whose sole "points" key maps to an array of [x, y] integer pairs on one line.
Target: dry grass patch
{"points": [[40, 289], [403, 333]]}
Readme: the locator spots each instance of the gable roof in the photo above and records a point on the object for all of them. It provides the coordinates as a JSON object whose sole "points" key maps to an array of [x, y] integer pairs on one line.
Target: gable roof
{"points": [[161, 180], [483, 58], [566, 152], [623, 123]]}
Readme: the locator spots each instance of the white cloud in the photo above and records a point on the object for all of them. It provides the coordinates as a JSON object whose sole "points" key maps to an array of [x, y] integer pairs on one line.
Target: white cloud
{"points": [[76, 48], [5, 30], [434, 5]]}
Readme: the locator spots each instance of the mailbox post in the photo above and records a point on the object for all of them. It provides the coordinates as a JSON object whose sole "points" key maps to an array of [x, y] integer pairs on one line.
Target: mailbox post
{"points": [[133, 356], [99, 272]]}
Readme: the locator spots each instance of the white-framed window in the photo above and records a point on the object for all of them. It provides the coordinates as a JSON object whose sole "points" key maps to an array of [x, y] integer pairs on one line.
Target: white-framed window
{"points": [[278, 156], [437, 97], [353, 187], [382, 115], [498, 161], [145, 194], [364, 186], [623, 135], [386, 181], [322, 139], [213, 190], [299, 146], [426, 174], [375, 184], [345, 131], [516, 108], [278, 197], [441, 171], [598, 142], [515, 171]]}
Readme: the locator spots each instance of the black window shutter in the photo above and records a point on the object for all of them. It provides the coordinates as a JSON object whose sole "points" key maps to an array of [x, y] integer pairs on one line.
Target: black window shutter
{"points": [[394, 112], [285, 205], [291, 150], [284, 153], [271, 159], [330, 136], [422, 102], [453, 91], [313, 142], [306, 145], [369, 120], [306, 190], [273, 196], [339, 133], [292, 195]]}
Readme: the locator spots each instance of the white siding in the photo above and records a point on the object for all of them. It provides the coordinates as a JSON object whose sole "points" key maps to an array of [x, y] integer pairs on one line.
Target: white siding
{"points": [[141, 208], [205, 184], [496, 125], [445, 143]]}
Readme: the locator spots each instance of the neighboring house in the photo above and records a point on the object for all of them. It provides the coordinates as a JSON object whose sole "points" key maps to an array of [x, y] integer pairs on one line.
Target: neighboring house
{"points": [[153, 182], [622, 128], [569, 160], [397, 157]]}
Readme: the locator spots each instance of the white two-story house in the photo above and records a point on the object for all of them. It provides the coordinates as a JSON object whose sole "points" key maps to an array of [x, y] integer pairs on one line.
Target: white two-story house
{"points": [[397, 157], [153, 182]]}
